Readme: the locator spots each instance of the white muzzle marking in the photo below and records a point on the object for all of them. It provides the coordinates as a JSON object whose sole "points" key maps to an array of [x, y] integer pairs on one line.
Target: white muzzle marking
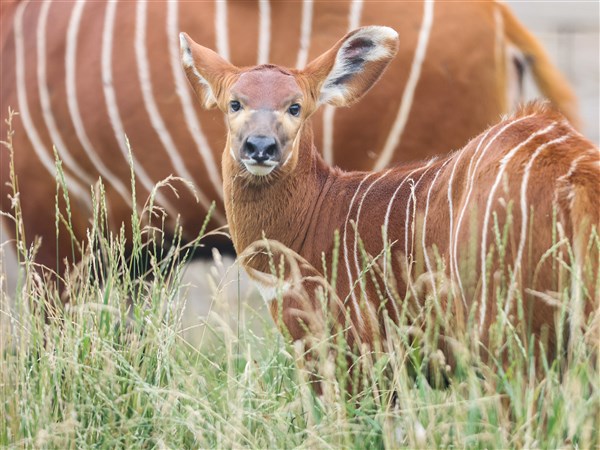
{"points": [[259, 169]]}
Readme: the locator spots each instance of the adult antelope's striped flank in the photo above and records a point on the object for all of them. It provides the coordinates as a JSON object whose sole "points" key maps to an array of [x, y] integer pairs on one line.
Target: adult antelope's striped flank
{"points": [[83, 75], [529, 170]]}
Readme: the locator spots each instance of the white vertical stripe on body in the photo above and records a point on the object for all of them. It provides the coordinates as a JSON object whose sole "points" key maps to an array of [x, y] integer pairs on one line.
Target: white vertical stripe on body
{"points": [[395, 134], [451, 269], [110, 99], [354, 14], [39, 148], [264, 31], [346, 259], [486, 218], [357, 221], [470, 183], [221, 29], [71, 83], [524, 217], [412, 197], [153, 111], [386, 223], [472, 169], [423, 238], [576, 275], [55, 135], [183, 92], [305, 30]]}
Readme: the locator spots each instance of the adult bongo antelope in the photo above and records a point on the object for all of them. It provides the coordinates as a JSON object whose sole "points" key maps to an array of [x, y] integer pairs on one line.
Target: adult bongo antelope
{"points": [[277, 186], [84, 74]]}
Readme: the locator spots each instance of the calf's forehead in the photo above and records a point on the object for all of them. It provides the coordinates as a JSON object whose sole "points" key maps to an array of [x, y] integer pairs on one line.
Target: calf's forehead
{"points": [[266, 89]]}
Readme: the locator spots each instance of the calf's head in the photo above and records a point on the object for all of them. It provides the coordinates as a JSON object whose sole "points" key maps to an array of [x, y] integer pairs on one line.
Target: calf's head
{"points": [[267, 106]]}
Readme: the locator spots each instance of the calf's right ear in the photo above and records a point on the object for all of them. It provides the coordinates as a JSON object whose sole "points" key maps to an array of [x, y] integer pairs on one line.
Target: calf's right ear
{"points": [[205, 69]]}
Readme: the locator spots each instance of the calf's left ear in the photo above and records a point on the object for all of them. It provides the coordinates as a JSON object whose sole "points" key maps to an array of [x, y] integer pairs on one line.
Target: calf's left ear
{"points": [[343, 74], [205, 70]]}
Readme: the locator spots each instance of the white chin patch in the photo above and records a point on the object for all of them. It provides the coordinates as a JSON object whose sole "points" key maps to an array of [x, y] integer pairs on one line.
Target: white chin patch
{"points": [[260, 170]]}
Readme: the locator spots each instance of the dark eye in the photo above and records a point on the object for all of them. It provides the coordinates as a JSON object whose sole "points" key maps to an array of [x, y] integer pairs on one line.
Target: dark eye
{"points": [[235, 105], [294, 110]]}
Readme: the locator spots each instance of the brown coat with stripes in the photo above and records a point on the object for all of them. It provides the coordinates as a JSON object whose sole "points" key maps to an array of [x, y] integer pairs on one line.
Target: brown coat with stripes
{"points": [[442, 221]]}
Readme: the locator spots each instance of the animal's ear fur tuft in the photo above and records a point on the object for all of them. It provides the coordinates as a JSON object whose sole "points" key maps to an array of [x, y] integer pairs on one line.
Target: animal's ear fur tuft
{"points": [[205, 70], [343, 74]]}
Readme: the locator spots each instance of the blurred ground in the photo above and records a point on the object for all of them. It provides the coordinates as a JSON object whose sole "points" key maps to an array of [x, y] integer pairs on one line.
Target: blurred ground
{"points": [[218, 291]]}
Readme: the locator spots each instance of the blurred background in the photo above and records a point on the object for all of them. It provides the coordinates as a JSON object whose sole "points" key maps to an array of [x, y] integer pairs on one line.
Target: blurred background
{"points": [[569, 31]]}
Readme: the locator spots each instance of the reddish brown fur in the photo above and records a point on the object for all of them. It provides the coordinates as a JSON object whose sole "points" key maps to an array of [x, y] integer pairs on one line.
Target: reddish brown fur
{"points": [[301, 205]]}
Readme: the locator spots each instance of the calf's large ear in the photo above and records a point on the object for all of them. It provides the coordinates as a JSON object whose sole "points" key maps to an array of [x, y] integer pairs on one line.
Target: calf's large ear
{"points": [[343, 74], [205, 70]]}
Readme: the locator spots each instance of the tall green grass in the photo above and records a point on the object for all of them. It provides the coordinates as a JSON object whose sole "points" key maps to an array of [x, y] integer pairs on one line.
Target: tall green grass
{"points": [[112, 369]]}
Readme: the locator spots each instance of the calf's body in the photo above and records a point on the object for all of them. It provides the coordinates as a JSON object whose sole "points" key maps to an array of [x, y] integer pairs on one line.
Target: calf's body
{"points": [[479, 231], [445, 203]]}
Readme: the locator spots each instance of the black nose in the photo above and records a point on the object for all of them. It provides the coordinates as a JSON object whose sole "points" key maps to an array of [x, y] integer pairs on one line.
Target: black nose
{"points": [[261, 148]]}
